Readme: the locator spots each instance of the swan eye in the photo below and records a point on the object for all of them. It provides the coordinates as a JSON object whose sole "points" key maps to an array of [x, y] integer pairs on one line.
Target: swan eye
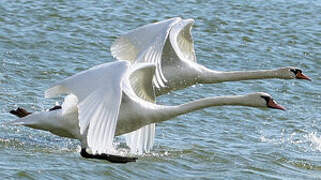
{"points": [[296, 71]]}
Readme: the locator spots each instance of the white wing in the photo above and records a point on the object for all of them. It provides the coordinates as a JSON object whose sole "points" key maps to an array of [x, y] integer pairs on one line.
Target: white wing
{"points": [[145, 44], [99, 95], [182, 41], [140, 79], [141, 140]]}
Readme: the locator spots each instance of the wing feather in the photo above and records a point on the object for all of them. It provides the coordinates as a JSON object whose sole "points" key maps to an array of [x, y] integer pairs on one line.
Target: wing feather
{"points": [[140, 80], [182, 41], [141, 140], [145, 44], [99, 94]]}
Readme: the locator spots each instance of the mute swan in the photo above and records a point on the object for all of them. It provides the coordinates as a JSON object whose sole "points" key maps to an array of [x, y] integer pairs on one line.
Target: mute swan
{"points": [[170, 46], [103, 103]]}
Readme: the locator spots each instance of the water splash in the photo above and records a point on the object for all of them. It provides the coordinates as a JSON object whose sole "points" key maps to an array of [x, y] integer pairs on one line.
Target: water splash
{"points": [[306, 142], [315, 141]]}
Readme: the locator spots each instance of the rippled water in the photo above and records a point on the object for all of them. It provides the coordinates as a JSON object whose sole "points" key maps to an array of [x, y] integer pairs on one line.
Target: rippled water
{"points": [[42, 42]]}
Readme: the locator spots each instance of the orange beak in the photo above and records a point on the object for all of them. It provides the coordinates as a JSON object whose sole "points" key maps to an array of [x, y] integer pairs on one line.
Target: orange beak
{"points": [[274, 105], [300, 75]]}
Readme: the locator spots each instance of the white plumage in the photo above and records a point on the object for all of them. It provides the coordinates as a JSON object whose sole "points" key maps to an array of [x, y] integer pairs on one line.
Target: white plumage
{"points": [[170, 46], [113, 99]]}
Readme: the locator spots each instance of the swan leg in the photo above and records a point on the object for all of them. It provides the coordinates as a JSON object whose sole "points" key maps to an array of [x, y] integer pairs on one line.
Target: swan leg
{"points": [[109, 157]]}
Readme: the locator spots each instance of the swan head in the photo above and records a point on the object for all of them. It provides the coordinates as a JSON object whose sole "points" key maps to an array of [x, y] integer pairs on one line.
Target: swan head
{"points": [[292, 73], [261, 99]]}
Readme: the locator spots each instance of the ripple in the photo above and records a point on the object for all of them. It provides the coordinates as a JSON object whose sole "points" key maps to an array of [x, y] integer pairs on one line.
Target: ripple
{"points": [[43, 42]]}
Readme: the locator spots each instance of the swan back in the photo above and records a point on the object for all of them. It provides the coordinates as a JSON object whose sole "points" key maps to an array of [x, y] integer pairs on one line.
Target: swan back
{"points": [[69, 105]]}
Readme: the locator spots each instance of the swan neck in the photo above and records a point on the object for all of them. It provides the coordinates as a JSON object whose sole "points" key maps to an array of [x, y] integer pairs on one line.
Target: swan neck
{"points": [[209, 76], [169, 112]]}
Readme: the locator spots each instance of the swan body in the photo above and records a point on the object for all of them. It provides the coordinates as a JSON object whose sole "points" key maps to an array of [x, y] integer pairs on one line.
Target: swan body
{"points": [[170, 46], [114, 99]]}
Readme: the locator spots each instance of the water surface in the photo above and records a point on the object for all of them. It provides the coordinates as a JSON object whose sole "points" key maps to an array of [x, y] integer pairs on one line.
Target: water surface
{"points": [[42, 42]]}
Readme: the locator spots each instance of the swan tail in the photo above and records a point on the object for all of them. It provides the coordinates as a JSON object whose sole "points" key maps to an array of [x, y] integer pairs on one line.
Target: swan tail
{"points": [[18, 122], [30, 119]]}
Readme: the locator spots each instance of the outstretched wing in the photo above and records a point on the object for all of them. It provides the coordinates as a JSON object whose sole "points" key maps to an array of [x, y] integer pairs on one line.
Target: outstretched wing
{"points": [[99, 93], [141, 140], [182, 41], [145, 44], [140, 80]]}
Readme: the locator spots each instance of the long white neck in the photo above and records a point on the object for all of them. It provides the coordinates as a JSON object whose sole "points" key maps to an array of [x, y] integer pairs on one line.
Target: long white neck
{"points": [[208, 76], [163, 113]]}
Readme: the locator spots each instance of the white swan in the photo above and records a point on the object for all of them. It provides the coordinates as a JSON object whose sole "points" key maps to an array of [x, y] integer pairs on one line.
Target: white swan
{"points": [[103, 103], [170, 46]]}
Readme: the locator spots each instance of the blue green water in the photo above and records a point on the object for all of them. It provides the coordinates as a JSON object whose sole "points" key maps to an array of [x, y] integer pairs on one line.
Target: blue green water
{"points": [[42, 42]]}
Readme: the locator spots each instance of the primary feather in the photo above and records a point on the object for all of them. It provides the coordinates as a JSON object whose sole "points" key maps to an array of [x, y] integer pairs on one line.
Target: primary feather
{"points": [[99, 94]]}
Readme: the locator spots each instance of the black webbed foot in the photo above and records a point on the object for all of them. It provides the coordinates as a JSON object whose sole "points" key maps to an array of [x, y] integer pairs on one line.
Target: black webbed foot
{"points": [[20, 112], [109, 157], [55, 108]]}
